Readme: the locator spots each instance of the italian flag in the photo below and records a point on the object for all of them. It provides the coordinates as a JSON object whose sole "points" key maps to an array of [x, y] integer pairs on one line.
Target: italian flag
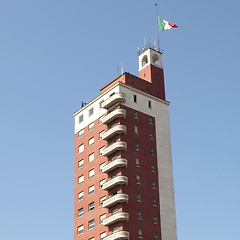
{"points": [[165, 25]]}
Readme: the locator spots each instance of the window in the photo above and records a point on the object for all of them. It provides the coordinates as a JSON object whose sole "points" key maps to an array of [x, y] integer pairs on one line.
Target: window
{"points": [[136, 129], [80, 164], [137, 146], [80, 119], [91, 126], [91, 190], [150, 120], [153, 184], [80, 196], [81, 179], [149, 104], [138, 180], [152, 151], [135, 114], [101, 183], [91, 173], [103, 235], [101, 150], [101, 166], [155, 220], [151, 136], [100, 134], [114, 229], [140, 233], [100, 103], [102, 217], [91, 224], [156, 236], [153, 167], [81, 133], [102, 199], [91, 207], [80, 212], [135, 98], [137, 162], [115, 210], [139, 215], [139, 197], [81, 148], [80, 230], [90, 111], [91, 141], [91, 157], [154, 201]]}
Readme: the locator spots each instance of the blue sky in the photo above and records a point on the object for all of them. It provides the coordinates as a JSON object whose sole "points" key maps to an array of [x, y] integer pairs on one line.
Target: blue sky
{"points": [[56, 54]]}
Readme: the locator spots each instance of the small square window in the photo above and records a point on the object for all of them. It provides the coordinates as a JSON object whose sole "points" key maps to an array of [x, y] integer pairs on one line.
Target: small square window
{"points": [[139, 215], [80, 212], [154, 201], [138, 180], [101, 183], [136, 129], [156, 236], [81, 179], [149, 104], [139, 197], [80, 118], [103, 235], [151, 136], [91, 173], [153, 184], [91, 126], [135, 98], [137, 146], [91, 224], [150, 120], [91, 190], [91, 142], [80, 196], [102, 199], [155, 220], [135, 114], [81, 133], [152, 152], [80, 230], [153, 167], [81, 148], [137, 162], [140, 235], [91, 206], [80, 164], [91, 111], [91, 157]]}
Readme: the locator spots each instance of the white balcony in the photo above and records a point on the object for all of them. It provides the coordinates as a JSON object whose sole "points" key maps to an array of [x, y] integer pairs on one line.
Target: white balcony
{"points": [[117, 217], [120, 235], [118, 180], [119, 162], [118, 198], [116, 98], [117, 113], [120, 145], [118, 129]]}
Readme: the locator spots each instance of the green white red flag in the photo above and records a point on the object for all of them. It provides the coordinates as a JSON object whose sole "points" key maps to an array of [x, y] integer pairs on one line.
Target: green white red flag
{"points": [[165, 25]]}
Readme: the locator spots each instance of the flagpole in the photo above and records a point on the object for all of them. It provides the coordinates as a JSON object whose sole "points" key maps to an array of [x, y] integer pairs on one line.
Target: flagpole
{"points": [[157, 27]]}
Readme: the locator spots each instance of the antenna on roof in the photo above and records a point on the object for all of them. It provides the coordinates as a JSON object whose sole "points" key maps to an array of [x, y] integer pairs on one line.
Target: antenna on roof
{"points": [[122, 66]]}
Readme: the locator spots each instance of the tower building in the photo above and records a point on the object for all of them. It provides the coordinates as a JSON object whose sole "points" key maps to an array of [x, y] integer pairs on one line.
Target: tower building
{"points": [[123, 180]]}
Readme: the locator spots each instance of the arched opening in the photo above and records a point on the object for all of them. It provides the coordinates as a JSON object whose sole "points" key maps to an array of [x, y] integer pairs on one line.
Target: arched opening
{"points": [[144, 60], [155, 59]]}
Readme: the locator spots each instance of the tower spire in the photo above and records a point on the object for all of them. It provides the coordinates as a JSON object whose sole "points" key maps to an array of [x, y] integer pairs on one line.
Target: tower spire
{"points": [[157, 27]]}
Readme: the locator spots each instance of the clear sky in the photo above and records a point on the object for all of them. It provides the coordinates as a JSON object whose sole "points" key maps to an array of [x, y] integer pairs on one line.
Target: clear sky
{"points": [[54, 54]]}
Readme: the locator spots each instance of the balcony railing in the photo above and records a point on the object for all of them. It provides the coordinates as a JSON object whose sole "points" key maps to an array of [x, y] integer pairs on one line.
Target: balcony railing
{"points": [[118, 198], [118, 129], [119, 162], [116, 98], [117, 217], [117, 113], [118, 236], [120, 145], [118, 180]]}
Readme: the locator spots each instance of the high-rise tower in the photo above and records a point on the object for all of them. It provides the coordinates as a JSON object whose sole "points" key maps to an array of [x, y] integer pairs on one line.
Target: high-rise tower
{"points": [[123, 182]]}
